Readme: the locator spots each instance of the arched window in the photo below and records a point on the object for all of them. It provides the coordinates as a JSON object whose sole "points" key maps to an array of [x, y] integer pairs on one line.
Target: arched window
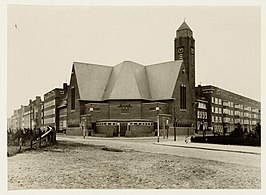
{"points": [[183, 105]]}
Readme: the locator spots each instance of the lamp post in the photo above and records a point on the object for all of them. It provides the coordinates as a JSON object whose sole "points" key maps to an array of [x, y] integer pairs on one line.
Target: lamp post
{"points": [[118, 129], [158, 126], [91, 111], [167, 128], [163, 128], [83, 126]]}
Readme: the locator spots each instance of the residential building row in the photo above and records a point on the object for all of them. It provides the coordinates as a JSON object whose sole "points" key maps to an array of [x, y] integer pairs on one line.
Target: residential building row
{"points": [[41, 113], [220, 111]]}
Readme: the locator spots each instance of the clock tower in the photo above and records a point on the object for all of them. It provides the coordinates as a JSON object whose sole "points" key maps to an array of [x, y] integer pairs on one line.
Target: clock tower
{"points": [[185, 50]]}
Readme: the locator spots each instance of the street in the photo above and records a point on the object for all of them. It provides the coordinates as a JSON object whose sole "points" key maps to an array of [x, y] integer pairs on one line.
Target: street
{"points": [[150, 145], [137, 163]]}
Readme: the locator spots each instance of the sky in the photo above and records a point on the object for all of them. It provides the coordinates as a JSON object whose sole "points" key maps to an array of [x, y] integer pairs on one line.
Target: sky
{"points": [[43, 42]]}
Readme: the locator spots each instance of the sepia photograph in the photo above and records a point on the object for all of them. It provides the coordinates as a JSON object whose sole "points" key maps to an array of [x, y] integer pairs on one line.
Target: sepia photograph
{"points": [[128, 97]]}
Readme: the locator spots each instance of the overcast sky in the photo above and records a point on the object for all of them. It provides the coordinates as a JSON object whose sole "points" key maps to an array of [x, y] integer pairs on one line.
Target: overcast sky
{"points": [[43, 42]]}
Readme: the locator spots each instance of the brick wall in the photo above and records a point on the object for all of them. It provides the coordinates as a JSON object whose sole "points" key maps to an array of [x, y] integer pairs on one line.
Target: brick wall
{"points": [[133, 113], [73, 115], [74, 131], [100, 111], [106, 131], [149, 110], [140, 131], [188, 115]]}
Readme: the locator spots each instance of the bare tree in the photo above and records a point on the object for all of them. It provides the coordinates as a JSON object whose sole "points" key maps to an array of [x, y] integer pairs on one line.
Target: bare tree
{"points": [[177, 116]]}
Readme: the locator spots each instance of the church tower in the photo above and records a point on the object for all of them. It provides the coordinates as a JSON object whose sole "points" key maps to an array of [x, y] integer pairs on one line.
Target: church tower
{"points": [[185, 50]]}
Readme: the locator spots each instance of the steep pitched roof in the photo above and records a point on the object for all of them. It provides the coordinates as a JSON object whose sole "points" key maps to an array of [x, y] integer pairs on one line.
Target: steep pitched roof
{"points": [[184, 26], [91, 80], [127, 80], [162, 78]]}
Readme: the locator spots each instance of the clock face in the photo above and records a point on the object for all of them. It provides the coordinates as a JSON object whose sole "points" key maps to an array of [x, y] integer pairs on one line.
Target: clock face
{"points": [[180, 50], [192, 50]]}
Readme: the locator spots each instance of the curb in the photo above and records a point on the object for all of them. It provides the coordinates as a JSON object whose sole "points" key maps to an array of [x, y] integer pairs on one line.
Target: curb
{"points": [[203, 148]]}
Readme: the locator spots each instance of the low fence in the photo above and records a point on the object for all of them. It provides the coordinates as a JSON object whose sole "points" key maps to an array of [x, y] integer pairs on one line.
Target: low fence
{"points": [[24, 139]]}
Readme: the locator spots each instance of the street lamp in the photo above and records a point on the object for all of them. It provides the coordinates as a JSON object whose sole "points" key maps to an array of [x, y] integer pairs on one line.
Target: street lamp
{"points": [[118, 129], [158, 126], [90, 127]]}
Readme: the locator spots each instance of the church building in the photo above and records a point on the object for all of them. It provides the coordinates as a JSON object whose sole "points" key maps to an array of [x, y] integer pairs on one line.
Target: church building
{"points": [[128, 99]]}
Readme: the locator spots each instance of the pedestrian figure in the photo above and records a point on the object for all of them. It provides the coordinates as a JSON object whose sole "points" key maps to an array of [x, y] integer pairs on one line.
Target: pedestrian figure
{"points": [[47, 136], [53, 135], [187, 139]]}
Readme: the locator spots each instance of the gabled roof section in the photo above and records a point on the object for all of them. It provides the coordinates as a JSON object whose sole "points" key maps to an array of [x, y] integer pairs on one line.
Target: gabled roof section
{"points": [[162, 79], [128, 80], [184, 26], [91, 80]]}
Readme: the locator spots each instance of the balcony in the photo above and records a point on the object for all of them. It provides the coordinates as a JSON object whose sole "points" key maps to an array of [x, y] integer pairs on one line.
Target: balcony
{"points": [[226, 104], [238, 106], [247, 108], [255, 110]]}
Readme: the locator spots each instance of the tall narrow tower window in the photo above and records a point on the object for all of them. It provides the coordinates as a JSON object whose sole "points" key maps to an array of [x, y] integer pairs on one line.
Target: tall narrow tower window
{"points": [[73, 98], [183, 97]]}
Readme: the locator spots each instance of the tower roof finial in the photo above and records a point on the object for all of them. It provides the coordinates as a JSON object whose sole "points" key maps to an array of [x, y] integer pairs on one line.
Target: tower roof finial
{"points": [[184, 25]]}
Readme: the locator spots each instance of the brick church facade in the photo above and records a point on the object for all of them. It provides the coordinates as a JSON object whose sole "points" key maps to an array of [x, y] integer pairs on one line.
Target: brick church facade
{"points": [[126, 99]]}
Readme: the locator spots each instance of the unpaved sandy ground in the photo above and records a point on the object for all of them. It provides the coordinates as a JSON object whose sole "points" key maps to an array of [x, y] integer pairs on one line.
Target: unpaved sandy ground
{"points": [[70, 165]]}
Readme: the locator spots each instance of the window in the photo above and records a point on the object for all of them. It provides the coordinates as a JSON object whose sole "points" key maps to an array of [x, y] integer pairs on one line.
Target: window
{"points": [[213, 100], [226, 111], [220, 110], [50, 103], [49, 112], [213, 119], [49, 120], [73, 98], [124, 108], [212, 109], [202, 105], [183, 97], [226, 120], [202, 114], [232, 112], [220, 101], [216, 100]]}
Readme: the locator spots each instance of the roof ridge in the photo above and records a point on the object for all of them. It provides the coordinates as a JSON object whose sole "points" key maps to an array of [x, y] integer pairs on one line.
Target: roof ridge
{"points": [[163, 63], [88, 64], [115, 81], [133, 72], [148, 81]]}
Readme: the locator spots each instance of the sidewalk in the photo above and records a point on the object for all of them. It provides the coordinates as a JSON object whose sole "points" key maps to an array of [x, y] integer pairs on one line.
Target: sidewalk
{"points": [[108, 138], [215, 147], [180, 142]]}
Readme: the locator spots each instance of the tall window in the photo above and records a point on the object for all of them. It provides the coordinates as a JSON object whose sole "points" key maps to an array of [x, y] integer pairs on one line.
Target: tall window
{"points": [[183, 97], [73, 98]]}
